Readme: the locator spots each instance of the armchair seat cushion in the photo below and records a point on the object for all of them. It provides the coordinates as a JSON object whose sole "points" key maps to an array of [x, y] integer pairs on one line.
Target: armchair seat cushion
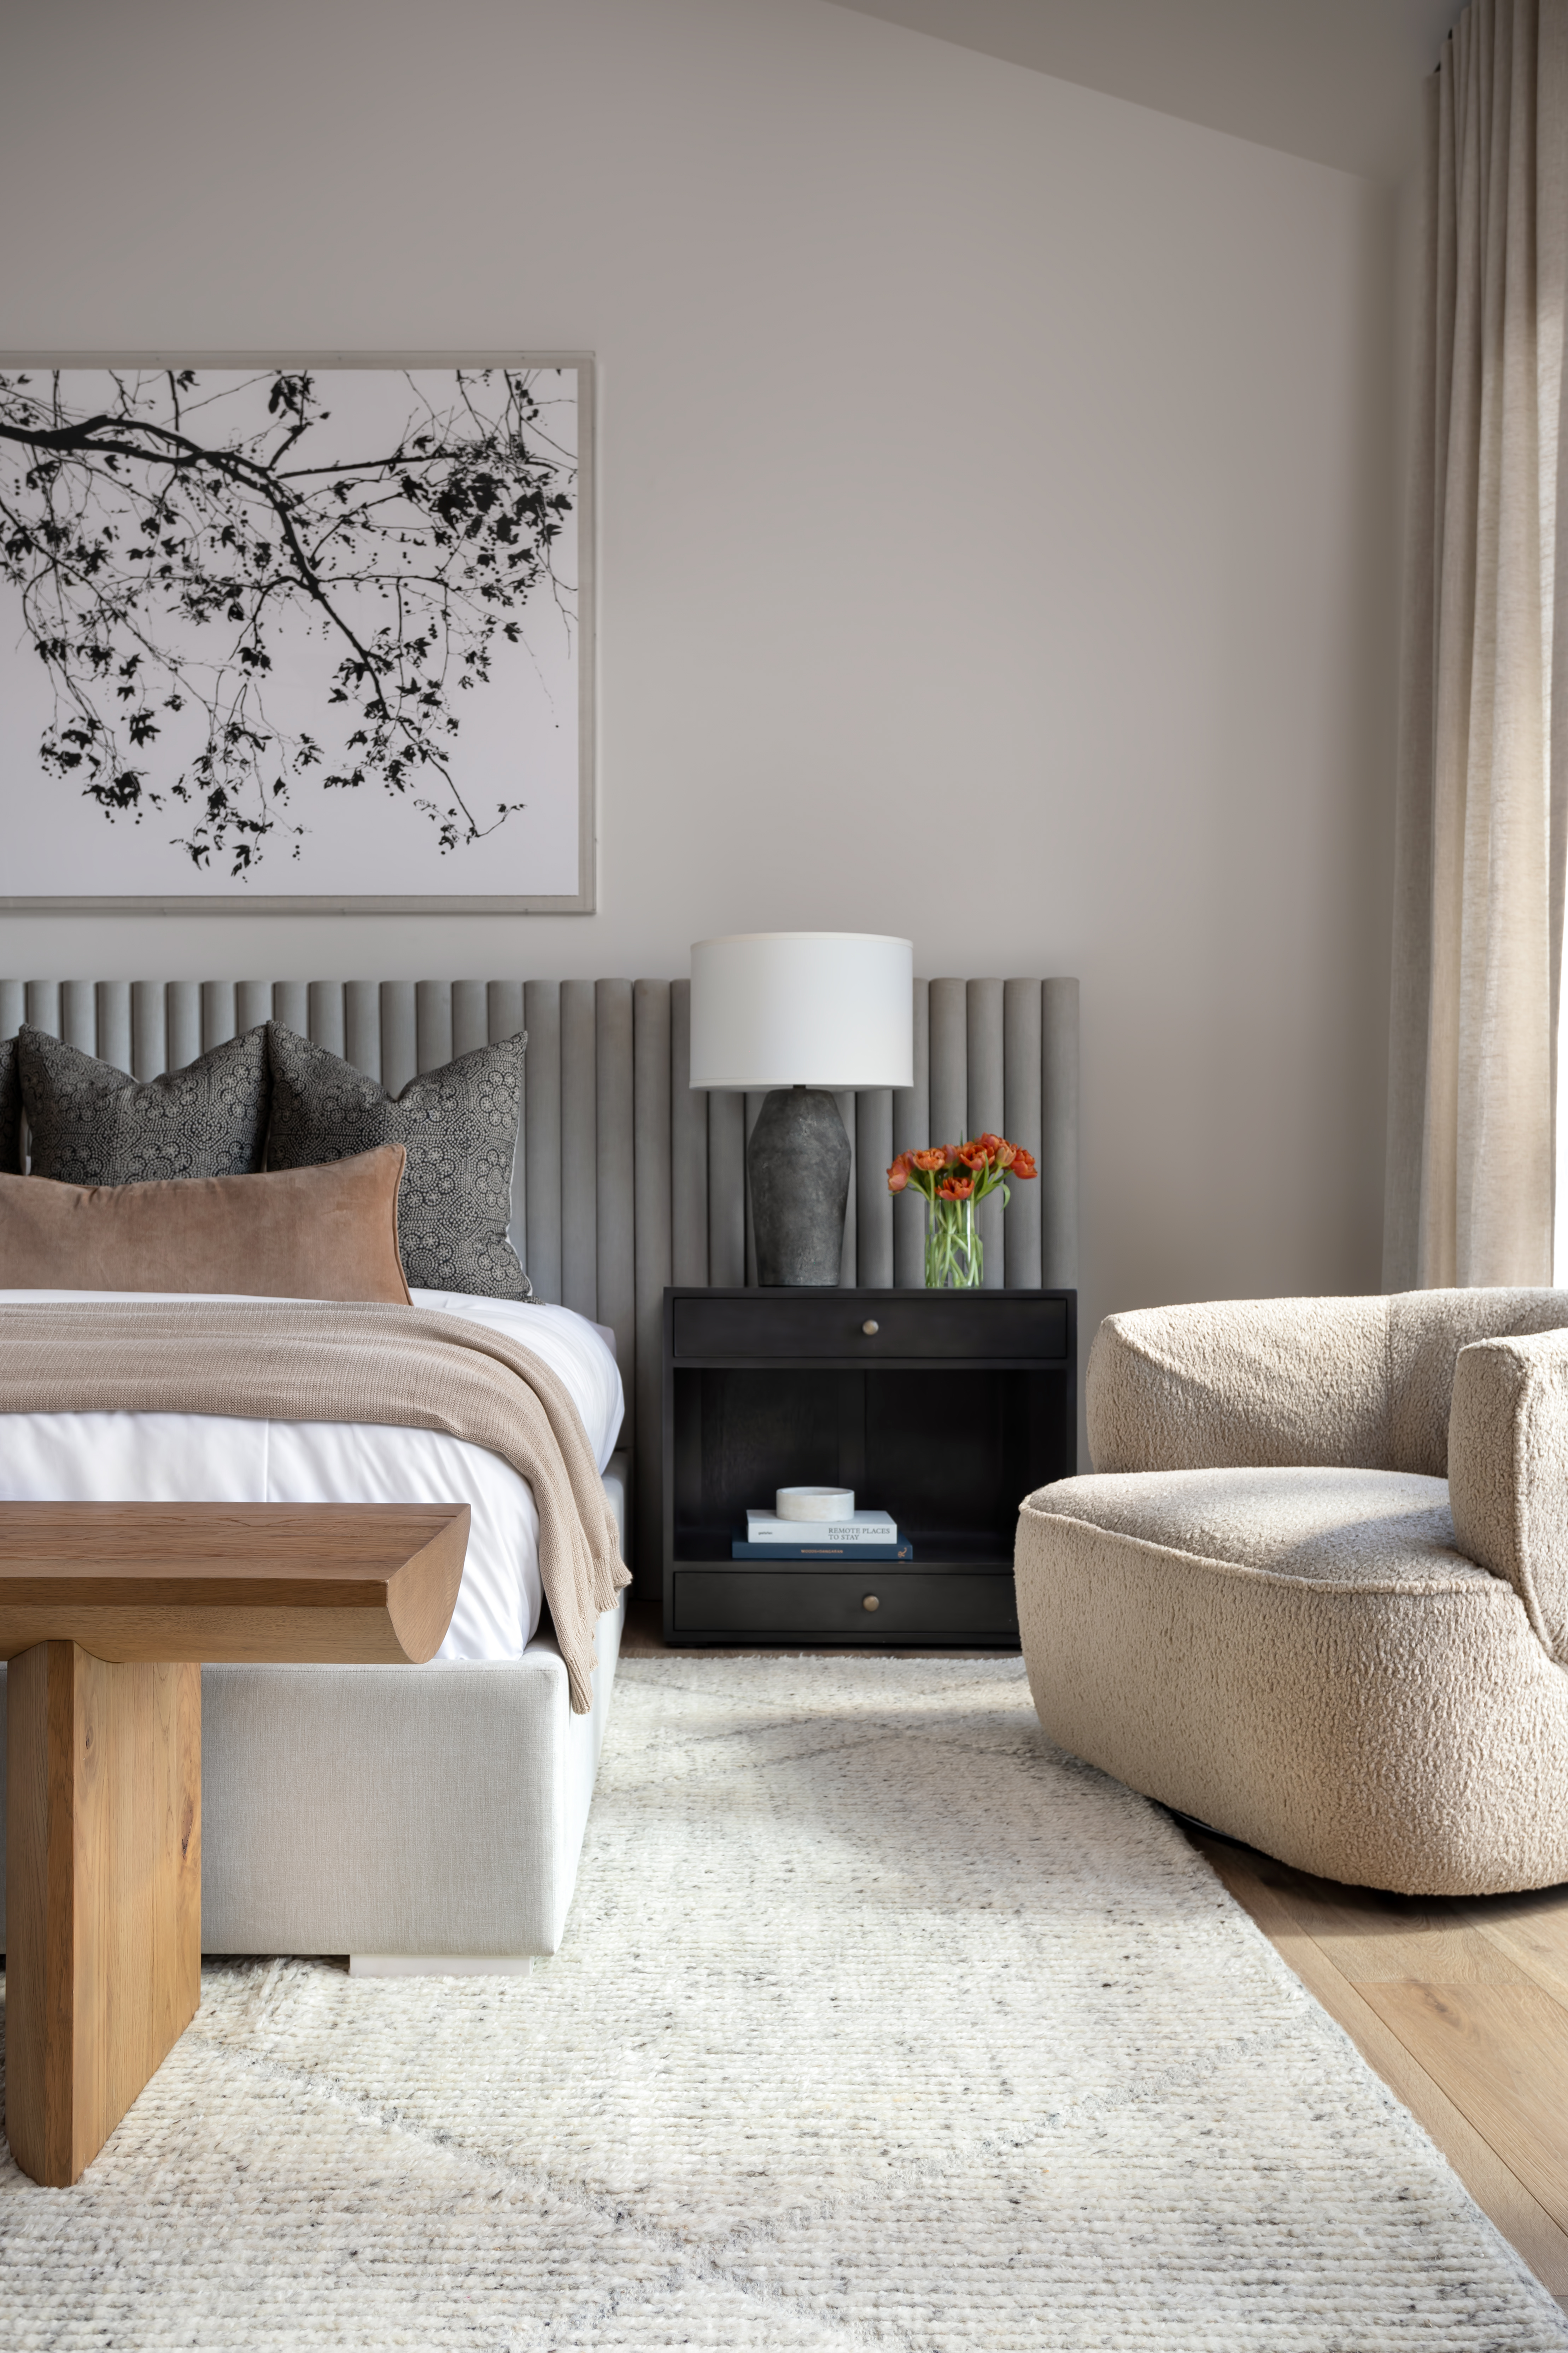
{"points": [[1302, 1659], [1386, 1528]]}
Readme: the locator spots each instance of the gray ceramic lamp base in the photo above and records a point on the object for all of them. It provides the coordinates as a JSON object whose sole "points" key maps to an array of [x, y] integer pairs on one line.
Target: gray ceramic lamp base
{"points": [[798, 1164]]}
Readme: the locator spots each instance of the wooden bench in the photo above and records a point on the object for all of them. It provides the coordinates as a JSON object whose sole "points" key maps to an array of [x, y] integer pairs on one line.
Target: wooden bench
{"points": [[105, 1613]]}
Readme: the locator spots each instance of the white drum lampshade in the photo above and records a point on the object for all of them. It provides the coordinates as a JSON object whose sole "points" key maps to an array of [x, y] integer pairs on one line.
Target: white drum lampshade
{"points": [[828, 1010]]}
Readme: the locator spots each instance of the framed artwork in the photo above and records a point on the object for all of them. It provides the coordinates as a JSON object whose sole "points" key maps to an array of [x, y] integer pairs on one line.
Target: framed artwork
{"points": [[297, 633]]}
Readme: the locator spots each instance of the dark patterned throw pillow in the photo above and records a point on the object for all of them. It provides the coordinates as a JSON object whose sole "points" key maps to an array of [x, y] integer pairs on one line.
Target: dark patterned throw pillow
{"points": [[10, 1111], [458, 1127], [92, 1125]]}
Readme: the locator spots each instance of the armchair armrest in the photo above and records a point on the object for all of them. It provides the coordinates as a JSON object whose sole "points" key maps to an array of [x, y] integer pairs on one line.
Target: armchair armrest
{"points": [[1507, 1472], [1252, 1383]]}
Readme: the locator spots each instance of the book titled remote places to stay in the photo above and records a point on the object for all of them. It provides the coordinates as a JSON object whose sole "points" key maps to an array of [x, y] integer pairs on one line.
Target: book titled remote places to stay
{"points": [[867, 1535]]}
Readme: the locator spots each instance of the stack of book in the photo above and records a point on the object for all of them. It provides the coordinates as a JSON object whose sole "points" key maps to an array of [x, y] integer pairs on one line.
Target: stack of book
{"points": [[865, 1535]]}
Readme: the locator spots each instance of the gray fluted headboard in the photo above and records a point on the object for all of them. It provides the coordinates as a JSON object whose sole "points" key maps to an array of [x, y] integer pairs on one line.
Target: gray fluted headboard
{"points": [[626, 1179]]}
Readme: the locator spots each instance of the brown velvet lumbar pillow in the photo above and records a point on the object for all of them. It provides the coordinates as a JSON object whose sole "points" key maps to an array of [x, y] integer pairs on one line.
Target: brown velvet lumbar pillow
{"points": [[296, 1233]]}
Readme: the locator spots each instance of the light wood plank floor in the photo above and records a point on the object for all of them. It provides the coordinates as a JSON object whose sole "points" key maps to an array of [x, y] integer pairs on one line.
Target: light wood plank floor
{"points": [[1461, 2008]]}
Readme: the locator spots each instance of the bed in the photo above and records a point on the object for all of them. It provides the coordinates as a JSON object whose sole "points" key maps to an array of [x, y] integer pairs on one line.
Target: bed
{"points": [[432, 1818]]}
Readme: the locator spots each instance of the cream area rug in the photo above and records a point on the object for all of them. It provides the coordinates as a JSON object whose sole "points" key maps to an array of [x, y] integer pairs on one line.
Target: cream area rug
{"points": [[878, 2021]]}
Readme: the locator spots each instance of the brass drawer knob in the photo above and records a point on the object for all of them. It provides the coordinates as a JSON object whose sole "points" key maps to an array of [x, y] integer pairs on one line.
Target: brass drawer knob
{"points": [[870, 1602], [870, 1327]]}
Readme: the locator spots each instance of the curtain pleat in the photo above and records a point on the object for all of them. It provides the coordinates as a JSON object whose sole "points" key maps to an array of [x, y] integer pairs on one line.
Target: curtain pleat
{"points": [[1482, 839]]}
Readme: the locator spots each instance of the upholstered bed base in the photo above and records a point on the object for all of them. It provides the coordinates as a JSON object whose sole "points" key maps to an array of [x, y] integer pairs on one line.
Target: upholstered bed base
{"points": [[459, 1838], [427, 1814]]}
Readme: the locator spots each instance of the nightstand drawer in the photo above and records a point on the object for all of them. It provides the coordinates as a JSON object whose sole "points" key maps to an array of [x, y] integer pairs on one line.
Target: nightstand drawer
{"points": [[778, 1325], [829, 1604]]}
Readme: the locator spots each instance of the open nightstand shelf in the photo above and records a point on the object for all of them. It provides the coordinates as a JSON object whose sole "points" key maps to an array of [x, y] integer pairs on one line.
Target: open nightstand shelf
{"points": [[944, 1408]]}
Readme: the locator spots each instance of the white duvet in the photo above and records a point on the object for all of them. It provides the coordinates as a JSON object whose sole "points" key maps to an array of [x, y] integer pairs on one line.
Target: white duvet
{"points": [[160, 1458]]}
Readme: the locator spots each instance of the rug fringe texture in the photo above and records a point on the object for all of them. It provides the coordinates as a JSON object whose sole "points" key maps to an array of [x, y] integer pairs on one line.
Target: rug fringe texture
{"points": [[879, 2022]]}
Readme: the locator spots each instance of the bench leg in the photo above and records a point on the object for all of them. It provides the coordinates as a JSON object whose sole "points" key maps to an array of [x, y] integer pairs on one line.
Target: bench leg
{"points": [[103, 1906]]}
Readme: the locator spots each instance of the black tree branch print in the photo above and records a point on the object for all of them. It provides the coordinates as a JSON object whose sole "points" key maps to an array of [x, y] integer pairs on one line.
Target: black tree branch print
{"points": [[166, 542]]}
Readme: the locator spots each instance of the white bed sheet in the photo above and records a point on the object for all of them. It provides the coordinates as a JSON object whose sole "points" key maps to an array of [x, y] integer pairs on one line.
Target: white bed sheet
{"points": [[159, 1458]]}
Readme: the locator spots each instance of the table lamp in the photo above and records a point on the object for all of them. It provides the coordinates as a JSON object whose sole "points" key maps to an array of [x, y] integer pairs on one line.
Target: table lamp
{"points": [[802, 1015]]}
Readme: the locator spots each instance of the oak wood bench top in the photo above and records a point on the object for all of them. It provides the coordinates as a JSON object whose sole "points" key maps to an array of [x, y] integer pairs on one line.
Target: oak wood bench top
{"points": [[364, 1584]]}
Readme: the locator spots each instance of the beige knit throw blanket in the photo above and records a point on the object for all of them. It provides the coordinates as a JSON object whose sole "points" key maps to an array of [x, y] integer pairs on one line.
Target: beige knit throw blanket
{"points": [[297, 1360]]}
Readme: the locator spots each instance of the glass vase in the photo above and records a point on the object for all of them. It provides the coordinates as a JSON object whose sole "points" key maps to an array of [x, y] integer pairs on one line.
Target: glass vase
{"points": [[953, 1247]]}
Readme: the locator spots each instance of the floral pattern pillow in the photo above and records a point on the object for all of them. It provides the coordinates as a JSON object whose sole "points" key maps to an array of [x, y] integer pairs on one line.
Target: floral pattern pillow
{"points": [[10, 1111], [92, 1125], [458, 1127]]}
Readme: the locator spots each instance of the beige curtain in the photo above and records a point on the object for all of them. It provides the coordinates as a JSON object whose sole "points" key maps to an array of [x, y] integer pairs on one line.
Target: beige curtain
{"points": [[1482, 829]]}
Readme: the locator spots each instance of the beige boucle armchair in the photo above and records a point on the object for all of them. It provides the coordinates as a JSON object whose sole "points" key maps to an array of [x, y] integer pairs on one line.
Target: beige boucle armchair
{"points": [[1315, 1592]]}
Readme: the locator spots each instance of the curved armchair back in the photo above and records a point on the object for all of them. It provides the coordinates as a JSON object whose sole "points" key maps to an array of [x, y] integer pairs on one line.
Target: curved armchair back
{"points": [[1362, 1382], [1508, 1478]]}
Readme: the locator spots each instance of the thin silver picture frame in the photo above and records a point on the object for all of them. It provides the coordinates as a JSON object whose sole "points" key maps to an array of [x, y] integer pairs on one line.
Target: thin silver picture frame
{"points": [[583, 900]]}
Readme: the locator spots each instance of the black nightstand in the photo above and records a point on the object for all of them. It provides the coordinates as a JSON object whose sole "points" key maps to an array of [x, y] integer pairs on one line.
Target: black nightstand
{"points": [[944, 1408]]}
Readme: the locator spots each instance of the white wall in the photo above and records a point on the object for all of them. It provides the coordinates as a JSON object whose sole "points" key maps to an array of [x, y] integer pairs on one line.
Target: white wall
{"points": [[996, 516]]}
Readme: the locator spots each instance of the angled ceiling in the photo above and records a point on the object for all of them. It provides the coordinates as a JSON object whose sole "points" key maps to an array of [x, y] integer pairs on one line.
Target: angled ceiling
{"points": [[1334, 80]]}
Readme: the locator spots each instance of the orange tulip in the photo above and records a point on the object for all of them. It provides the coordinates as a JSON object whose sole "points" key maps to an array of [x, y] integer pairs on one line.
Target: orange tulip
{"points": [[930, 1159], [1023, 1164], [1003, 1152], [974, 1155], [898, 1176], [956, 1189]]}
